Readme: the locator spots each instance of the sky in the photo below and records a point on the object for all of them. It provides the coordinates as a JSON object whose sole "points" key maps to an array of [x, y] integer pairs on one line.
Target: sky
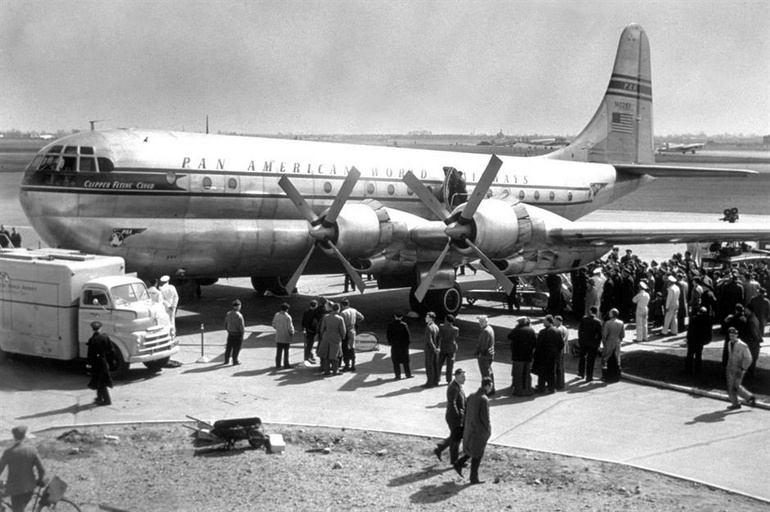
{"points": [[375, 66]]}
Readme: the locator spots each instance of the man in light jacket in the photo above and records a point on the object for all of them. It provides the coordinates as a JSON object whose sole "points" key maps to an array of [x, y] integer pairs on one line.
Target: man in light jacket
{"points": [[284, 332], [738, 362]]}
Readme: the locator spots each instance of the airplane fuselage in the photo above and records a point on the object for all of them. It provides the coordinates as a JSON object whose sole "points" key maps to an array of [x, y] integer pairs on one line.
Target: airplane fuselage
{"points": [[211, 204]]}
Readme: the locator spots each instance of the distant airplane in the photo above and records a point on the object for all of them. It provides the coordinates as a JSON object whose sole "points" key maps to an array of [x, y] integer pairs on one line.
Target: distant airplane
{"points": [[209, 206], [682, 148], [552, 141]]}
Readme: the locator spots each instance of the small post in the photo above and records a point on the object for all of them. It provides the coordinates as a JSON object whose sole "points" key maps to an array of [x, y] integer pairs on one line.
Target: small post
{"points": [[202, 358]]}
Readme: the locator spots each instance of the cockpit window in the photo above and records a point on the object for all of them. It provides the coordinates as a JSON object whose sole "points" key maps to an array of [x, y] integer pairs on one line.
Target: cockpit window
{"points": [[87, 164], [65, 160], [68, 164], [105, 164]]}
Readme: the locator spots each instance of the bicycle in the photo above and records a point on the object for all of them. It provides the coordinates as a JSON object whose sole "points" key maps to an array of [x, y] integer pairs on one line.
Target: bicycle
{"points": [[48, 497]]}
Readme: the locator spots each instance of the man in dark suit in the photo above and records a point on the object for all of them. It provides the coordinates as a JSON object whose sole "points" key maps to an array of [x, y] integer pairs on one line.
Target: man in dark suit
{"points": [[589, 340], [100, 352], [698, 335], [399, 338], [477, 429], [523, 341], [546, 352], [455, 417]]}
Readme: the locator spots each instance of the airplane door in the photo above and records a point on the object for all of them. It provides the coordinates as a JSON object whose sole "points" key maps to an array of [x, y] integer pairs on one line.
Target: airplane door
{"points": [[454, 189]]}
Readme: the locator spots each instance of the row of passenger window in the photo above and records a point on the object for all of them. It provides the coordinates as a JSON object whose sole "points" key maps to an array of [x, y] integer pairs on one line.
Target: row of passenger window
{"points": [[232, 184]]}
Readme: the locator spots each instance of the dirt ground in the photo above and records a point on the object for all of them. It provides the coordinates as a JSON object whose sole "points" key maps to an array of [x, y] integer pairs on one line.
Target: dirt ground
{"points": [[161, 468]]}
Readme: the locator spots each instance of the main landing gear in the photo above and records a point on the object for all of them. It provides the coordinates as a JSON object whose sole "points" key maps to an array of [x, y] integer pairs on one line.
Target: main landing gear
{"points": [[442, 301], [275, 285]]}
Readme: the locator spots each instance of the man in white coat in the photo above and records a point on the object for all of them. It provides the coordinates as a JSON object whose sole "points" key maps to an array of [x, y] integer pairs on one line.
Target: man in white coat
{"points": [[641, 299], [670, 323], [170, 301]]}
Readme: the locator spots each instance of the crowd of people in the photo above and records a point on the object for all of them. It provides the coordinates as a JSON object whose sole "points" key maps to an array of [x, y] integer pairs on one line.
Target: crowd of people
{"points": [[678, 296]]}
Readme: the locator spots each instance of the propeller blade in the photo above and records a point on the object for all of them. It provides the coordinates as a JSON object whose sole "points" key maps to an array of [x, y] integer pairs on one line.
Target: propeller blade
{"points": [[298, 273], [425, 283], [349, 268], [288, 187], [481, 188], [501, 278], [425, 195], [342, 196]]}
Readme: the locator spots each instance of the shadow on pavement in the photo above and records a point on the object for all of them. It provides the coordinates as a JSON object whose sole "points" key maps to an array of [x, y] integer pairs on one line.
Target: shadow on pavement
{"points": [[438, 493], [423, 474], [714, 417]]}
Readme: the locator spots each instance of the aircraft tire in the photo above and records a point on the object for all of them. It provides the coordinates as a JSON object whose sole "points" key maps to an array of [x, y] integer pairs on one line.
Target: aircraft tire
{"points": [[260, 285], [443, 301]]}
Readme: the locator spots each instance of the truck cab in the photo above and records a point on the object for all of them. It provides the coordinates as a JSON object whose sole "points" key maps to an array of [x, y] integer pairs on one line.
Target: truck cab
{"points": [[139, 327]]}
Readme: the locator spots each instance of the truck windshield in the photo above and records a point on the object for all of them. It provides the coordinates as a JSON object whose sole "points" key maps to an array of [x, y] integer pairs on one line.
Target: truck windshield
{"points": [[128, 293]]}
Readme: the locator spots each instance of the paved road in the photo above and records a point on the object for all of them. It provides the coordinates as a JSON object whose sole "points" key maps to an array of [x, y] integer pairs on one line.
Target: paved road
{"points": [[653, 428]]}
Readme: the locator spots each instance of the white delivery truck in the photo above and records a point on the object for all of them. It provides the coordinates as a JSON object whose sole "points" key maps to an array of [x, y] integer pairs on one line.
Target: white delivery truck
{"points": [[49, 297]]}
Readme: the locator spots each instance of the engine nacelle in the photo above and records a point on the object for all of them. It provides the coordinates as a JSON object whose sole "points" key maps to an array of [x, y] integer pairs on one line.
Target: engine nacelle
{"points": [[362, 229], [501, 229], [558, 259]]}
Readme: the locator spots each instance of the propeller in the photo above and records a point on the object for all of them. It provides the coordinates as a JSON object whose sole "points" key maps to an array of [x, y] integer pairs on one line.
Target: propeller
{"points": [[322, 227], [458, 230]]}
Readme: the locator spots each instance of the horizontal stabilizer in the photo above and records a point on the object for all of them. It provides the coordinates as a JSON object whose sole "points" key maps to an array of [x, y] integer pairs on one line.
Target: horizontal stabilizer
{"points": [[614, 233], [674, 171]]}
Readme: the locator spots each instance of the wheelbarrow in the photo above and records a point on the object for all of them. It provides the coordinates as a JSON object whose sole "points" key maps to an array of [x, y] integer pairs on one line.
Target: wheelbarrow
{"points": [[231, 431]]}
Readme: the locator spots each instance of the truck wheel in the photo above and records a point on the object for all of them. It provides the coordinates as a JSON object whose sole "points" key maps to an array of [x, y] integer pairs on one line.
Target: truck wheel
{"points": [[122, 366], [158, 364]]}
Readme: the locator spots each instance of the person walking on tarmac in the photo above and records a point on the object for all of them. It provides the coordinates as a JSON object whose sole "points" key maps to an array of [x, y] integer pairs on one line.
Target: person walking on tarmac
{"points": [[100, 353], [21, 460], [477, 430], [455, 417]]}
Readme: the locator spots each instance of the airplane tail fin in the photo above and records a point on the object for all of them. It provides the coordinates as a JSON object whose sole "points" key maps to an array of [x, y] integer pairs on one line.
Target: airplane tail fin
{"points": [[621, 129]]}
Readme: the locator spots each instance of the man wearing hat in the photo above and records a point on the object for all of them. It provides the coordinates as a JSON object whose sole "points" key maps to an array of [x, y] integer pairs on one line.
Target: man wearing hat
{"points": [[170, 300], [739, 360], [523, 341], [670, 324], [236, 329], [21, 460], [455, 417], [100, 352], [641, 299], [399, 338]]}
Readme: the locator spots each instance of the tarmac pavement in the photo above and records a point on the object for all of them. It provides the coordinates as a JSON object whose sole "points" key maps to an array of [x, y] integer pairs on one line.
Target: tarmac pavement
{"points": [[685, 435]]}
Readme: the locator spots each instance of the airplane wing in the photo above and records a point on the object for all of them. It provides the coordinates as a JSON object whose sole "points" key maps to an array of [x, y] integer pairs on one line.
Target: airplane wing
{"points": [[613, 233], [675, 171]]}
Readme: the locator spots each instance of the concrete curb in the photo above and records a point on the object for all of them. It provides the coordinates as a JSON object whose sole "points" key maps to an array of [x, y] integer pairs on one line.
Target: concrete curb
{"points": [[562, 454], [685, 389]]}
